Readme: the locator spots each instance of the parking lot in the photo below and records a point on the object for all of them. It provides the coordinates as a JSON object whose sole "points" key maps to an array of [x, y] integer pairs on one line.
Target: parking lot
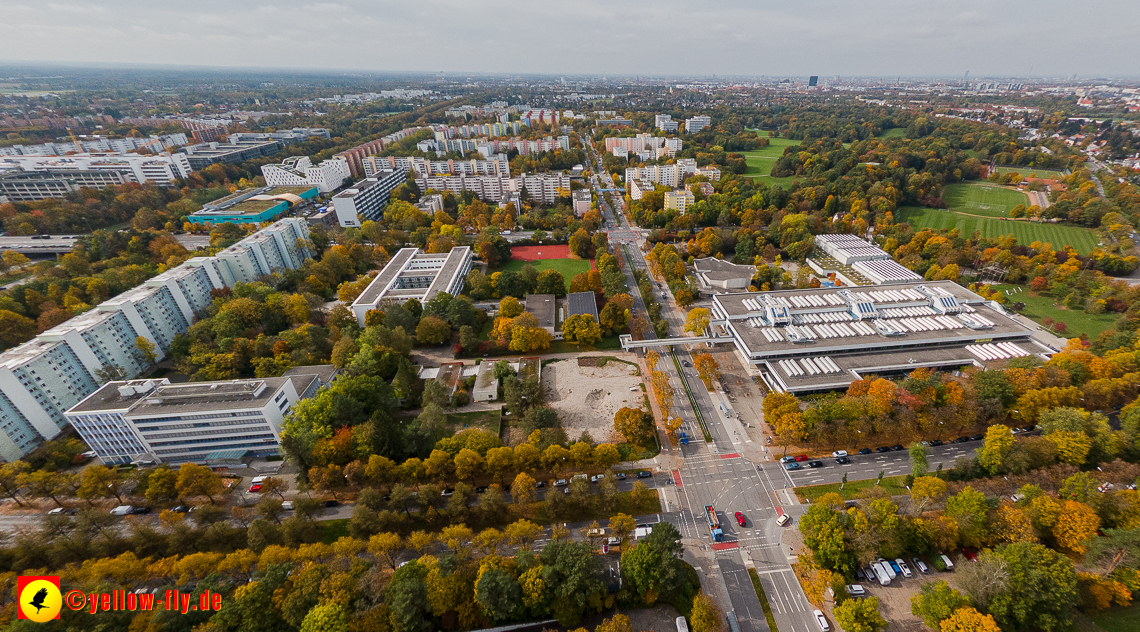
{"points": [[894, 599]]}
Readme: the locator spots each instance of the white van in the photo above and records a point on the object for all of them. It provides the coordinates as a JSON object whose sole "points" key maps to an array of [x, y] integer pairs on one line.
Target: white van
{"points": [[122, 510], [881, 575], [257, 480], [887, 567], [948, 563], [682, 625]]}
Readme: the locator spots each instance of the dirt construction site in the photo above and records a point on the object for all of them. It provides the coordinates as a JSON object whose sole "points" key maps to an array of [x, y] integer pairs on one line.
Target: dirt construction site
{"points": [[588, 392]]}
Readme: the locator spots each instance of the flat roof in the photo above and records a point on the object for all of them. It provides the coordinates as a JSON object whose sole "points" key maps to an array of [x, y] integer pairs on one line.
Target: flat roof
{"points": [[582, 303], [192, 397], [325, 372], [543, 307], [387, 274], [109, 398], [451, 267], [719, 269]]}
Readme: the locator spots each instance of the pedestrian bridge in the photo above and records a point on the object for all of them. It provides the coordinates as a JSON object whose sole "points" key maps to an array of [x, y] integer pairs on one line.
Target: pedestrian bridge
{"points": [[629, 344]]}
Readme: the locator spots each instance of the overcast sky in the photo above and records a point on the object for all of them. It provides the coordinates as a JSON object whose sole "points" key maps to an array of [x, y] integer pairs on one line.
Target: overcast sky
{"points": [[668, 37]]}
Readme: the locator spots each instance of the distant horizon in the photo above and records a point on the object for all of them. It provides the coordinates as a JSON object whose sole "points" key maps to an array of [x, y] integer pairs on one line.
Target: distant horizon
{"points": [[872, 38], [12, 65]]}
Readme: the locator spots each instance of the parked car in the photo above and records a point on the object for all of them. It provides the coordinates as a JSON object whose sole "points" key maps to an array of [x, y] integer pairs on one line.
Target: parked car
{"points": [[482, 489], [63, 511], [822, 620], [962, 440], [287, 505], [897, 447], [597, 477], [943, 563], [1104, 487], [881, 449], [815, 464], [447, 491], [970, 555], [843, 460], [740, 519], [620, 476], [935, 443], [977, 437], [787, 459], [839, 453], [802, 457], [540, 484], [886, 566], [140, 511], [865, 451], [180, 509], [783, 520], [122, 510], [644, 474], [561, 482], [1017, 498], [331, 503], [920, 565], [895, 567], [253, 489], [855, 590], [792, 466], [906, 572]]}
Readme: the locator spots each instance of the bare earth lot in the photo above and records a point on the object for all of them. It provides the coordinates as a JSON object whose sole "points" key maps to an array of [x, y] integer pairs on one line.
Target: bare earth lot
{"points": [[587, 397]]}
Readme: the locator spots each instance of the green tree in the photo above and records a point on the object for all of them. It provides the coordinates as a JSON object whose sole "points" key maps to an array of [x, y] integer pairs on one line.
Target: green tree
{"points": [[825, 535], [705, 616], [407, 599], [327, 617], [653, 568], [936, 602], [1042, 592], [571, 572], [581, 328], [919, 464], [968, 509], [146, 349], [498, 594], [433, 330], [198, 480], [860, 615]]}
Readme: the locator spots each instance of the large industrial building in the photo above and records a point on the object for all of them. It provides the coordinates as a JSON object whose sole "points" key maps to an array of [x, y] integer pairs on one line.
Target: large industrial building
{"points": [[254, 205], [411, 273], [800, 341], [854, 261], [160, 169], [44, 377]]}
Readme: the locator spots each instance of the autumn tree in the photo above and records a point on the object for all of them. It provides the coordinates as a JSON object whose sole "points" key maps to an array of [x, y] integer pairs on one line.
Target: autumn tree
{"points": [[198, 480], [859, 615], [635, 425], [967, 619], [581, 328], [999, 441], [707, 368], [697, 320], [936, 602]]}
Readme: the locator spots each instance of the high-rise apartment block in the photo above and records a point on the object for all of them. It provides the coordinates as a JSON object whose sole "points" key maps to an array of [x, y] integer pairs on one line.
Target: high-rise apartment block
{"points": [[697, 123], [44, 377], [366, 199], [665, 123], [163, 170], [543, 187]]}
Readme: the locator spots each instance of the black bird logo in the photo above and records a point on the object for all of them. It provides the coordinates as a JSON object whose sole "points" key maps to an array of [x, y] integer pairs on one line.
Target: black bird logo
{"points": [[37, 601]]}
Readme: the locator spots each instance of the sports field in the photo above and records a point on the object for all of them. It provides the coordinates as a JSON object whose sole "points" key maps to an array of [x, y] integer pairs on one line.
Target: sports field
{"points": [[568, 267], [980, 199], [759, 162], [1040, 306], [1032, 172], [1083, 239]]}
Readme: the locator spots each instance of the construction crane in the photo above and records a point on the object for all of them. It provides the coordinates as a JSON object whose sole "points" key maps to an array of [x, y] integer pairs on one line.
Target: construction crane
{"points": [[74, 139]]}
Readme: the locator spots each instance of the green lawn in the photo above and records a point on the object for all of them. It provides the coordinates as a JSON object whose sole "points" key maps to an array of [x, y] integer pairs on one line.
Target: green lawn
{"points": [[488, 420], [1083, 239], [562, 346], [894, 132], [1032, 172], [568, 267], [1119, 619], [854, 489], [980, 199], [1038, 307], [759, 162]]}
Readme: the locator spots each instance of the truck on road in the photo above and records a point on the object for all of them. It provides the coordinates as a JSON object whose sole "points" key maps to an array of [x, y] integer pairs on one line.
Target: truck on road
{"points": [[714, 523]]}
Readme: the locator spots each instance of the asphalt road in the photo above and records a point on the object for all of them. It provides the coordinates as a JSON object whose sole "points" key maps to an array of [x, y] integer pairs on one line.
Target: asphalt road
{"points": [[866, 466]]}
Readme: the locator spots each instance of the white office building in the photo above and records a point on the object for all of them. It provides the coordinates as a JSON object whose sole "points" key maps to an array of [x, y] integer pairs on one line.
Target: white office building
{"points": [[665, 123], [159, 422], [299, 171], [44, 377], [366, 199], [161, 169], [411, 273]]}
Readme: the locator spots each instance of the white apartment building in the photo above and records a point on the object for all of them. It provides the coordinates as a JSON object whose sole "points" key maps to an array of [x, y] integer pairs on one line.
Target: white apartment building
{"points": [[697, 123], [366, 199], [665, 123], [97, 144], [524, 146], [582, 199], [411, 273], [300, 171], [638, 188], [160, 422], [496, 165], [539, 186], [42, 378], [161, 169], [644, 146], [669, 175]]}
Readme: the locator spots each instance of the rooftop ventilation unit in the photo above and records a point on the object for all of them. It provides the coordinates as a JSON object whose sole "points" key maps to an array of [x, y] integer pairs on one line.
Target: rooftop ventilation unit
{"points": [[888, 329], [799, 335], [942, 301], [975, 322], [775, 314]]}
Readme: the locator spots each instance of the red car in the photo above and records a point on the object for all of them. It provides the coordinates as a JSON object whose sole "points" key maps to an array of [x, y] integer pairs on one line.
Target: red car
{"points": [[740, 519], [255, 488], [970, 555], [802, 457]]}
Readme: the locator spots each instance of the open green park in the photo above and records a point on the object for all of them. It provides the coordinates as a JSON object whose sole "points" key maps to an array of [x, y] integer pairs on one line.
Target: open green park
{"points": [[981, 199], [894, 132], [1083, 240], [759, 163], [1038, 307]]}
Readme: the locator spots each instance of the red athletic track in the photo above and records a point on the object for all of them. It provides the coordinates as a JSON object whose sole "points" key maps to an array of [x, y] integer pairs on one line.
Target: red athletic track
{"points": [[534, 253]]}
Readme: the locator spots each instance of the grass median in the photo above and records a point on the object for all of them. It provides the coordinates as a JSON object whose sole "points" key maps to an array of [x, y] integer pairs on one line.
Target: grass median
{"points": [[893, 485], [763, 599]]}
